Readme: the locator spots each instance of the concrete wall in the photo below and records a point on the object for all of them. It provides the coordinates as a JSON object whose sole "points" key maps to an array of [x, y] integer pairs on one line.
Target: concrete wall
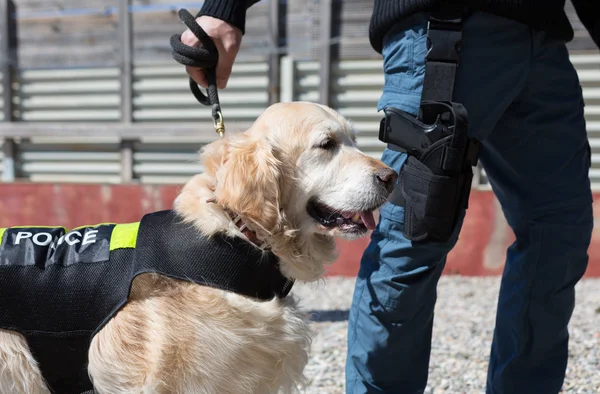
{"points": [[480, 249]]}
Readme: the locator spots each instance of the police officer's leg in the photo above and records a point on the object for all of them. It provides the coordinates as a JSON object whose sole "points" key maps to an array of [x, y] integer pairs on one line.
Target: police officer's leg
{"points": [[537, 160], [391, 319]]}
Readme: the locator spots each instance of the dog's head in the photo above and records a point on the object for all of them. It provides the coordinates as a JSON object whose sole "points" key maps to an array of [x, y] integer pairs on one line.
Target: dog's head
{"points": [[297, 178]]}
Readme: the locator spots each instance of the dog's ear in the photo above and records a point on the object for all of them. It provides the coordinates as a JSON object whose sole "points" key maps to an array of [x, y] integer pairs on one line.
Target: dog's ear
{"points": [[248, 180], [213, 155]]}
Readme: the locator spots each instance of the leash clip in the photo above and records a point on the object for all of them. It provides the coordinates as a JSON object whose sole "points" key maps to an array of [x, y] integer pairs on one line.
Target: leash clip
{"points": [[219, 124]]}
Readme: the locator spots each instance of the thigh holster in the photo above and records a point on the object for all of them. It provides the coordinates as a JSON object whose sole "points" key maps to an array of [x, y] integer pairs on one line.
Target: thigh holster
{"points": [[435, 181]]}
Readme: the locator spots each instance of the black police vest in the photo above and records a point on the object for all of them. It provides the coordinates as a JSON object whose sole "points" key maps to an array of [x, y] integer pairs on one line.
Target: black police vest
{"points": [[59, 288]]}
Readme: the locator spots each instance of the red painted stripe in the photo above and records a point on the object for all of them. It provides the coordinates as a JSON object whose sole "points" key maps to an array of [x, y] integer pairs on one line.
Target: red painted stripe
{"points": [[480, 250]]}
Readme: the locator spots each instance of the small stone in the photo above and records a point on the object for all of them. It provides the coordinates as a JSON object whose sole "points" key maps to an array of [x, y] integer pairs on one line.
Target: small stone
{"points": [[462, 335]]}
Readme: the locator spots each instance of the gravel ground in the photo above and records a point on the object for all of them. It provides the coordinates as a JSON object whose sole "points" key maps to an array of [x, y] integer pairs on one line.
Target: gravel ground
{"points": [[462, 335]]}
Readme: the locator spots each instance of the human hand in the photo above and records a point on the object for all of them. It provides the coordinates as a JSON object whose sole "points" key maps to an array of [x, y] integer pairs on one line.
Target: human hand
{"points": [[227, 39]]}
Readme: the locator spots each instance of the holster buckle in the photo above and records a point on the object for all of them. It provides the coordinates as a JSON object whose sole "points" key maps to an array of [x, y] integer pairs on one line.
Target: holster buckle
{"points": [[444, 36]]}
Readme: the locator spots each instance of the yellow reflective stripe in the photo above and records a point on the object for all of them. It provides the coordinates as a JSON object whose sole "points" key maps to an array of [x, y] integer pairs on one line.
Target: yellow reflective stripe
{"points": [[64, 228], [2, 231], [93, 225], [124, 236]]}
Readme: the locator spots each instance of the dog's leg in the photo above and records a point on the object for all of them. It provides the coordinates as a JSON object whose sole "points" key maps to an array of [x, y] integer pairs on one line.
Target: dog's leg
{"points": [[19, 372], [175, 337]]}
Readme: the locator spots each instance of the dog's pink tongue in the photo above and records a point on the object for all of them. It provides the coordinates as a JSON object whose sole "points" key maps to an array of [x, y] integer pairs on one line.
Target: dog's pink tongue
{"points": [[368, 220]]}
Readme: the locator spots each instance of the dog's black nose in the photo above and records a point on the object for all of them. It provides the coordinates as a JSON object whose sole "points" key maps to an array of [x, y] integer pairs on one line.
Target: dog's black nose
{"points": [[388, 177]]}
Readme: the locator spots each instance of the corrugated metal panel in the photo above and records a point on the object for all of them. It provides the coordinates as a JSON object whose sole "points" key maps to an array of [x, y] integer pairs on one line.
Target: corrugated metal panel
{"points": [[84, 161], [44, 161], [161, 93], [85, 94], [351, 25], [349, 29], [355, 94], [157, 163], [302, 16], [67, 33]]}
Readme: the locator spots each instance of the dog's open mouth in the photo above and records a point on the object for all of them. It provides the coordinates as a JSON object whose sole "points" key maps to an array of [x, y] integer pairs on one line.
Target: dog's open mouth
{"points": [[346, 221]]}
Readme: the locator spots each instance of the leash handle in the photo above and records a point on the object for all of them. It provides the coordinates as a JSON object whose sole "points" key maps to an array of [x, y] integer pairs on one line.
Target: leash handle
{"points": [[205, 57]]}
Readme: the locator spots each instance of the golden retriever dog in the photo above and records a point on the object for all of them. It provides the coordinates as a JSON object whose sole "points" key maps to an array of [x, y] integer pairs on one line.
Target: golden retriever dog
{"points": [[298, 181]]}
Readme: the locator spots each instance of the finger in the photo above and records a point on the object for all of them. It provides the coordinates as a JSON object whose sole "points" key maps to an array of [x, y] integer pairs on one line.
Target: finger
{"points": [[224, 67], [222, 83], [197, 75], [188, 38]]}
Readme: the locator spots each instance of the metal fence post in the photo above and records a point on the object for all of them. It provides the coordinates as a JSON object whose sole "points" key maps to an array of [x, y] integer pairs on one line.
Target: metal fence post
{"points": [[325, 20], [287, 79], [126, 65], [277, 38], [126, 46], [8, 64]]}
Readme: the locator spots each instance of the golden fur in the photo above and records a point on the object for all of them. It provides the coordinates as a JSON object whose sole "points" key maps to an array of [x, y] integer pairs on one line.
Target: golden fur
{"points": [[179, 337]]}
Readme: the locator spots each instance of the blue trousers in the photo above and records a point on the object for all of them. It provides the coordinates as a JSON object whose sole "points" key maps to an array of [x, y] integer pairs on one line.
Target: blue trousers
{"points": [[525, 105]]}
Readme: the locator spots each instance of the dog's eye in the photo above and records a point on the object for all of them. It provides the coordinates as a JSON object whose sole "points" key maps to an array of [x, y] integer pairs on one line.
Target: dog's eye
{"points": [[327, 144]]}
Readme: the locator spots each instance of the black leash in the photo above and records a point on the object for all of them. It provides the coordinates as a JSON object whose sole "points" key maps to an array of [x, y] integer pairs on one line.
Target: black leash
{"points": [[205, 57]]}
